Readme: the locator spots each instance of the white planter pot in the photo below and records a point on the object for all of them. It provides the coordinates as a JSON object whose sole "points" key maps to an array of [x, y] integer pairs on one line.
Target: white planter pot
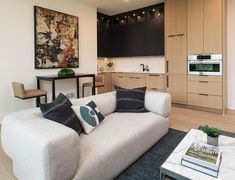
{"points": [[213, 141]]}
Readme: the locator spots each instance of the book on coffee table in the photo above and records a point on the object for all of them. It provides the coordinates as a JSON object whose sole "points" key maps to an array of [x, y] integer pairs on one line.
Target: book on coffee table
{"points": [[203, 157]]}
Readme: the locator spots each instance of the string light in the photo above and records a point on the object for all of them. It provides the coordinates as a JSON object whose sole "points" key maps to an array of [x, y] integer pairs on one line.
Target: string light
{"points": [[137, 14]]}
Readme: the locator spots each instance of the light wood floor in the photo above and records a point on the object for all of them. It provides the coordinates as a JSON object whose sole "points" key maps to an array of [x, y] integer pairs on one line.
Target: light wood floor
{"points": [[180, 118]]}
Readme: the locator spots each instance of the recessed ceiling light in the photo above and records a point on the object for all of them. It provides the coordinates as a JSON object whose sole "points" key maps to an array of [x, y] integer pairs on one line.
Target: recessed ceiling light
{"points": [[143, 12], [134, 14], [154, 10]]}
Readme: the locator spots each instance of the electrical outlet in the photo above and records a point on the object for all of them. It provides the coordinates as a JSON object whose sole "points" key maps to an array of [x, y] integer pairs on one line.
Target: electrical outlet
{"points": [[68, 95], [72, 95]]}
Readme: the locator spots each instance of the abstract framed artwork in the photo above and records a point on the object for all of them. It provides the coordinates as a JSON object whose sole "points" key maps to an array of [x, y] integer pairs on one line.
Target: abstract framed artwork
{"points": [[56, 39]]}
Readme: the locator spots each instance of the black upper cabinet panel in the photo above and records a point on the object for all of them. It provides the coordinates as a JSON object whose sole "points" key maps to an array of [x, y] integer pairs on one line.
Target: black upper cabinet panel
{"points": [[135, 33]]}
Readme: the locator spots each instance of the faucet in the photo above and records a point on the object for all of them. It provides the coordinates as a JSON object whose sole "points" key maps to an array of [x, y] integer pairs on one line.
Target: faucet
{"points": [[145, 68]]}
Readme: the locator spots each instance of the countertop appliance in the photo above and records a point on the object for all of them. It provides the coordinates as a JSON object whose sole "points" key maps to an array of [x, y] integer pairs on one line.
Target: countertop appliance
{"points": [[205, 64]]}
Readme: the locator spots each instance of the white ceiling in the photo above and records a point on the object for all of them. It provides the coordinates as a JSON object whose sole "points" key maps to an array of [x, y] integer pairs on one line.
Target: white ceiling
{"points": [[112, 7]]}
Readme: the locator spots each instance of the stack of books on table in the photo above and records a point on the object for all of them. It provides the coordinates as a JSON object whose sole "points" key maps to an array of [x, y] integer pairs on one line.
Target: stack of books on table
{"points": [[203, 158]]}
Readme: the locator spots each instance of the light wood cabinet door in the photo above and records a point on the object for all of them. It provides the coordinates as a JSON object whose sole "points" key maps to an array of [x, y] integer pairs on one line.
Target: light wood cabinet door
{"points": [[135, 80], [205, 87], [156, 82], [170, 11], [181, 17], [176, 17], [107, 83], [177, 54], [178, 88], [118, 79], [213, 26], [195, 26], [208, 101], [205, 78]]}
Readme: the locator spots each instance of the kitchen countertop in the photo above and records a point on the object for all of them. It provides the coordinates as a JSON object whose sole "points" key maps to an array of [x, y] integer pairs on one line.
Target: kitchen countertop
{"points": [[134, 72]]}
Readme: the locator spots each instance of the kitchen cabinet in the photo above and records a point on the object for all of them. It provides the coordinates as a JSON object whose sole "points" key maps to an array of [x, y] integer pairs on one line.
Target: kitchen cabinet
{"points": [[204, 100], [175, 14], [132, 33], [205, 26], [195, 26], [176, 54], [107, 83], [213, 26], [176, 49], [118, 79], [103, 36], [156, 82], [177, 87], [153, 81], [135, 80], [205, 91]]}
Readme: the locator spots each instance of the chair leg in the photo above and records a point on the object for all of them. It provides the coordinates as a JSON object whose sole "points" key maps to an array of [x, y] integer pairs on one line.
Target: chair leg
{"points": [[45, 98], [37, 101], [83, 89]]}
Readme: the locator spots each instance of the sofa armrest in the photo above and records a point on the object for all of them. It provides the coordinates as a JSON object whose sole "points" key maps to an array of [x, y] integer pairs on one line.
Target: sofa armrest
{"points": [[40, 149], [158, 102]]}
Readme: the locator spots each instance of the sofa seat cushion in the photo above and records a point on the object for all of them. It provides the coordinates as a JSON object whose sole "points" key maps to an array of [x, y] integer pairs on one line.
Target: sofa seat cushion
{"points": [[117, 142]]}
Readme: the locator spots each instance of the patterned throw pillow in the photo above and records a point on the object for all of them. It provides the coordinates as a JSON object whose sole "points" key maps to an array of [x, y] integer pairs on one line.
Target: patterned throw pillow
{"points": [[89, 116], [60, 111], [130, 100]]}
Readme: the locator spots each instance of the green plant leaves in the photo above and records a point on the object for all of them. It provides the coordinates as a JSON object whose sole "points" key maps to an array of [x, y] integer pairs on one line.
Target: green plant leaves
{"points": [[211, 131]]}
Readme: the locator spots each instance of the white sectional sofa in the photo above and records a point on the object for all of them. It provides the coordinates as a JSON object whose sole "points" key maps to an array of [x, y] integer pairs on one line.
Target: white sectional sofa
{"points": [[45, 150]]}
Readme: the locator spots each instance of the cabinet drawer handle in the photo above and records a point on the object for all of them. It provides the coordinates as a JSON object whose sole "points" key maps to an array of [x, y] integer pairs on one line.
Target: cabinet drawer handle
{"points": [[132, 77], [120, 77], [167, 66], [203, 81], [204, 94], [167, 81], [154, 75], [155, 89], [137, 78], [179, 34], [171, 36]]}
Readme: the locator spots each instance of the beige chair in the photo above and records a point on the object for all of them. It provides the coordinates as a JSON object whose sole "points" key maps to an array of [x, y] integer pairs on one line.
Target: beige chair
{"points": [[20, 92], [99, 82]]}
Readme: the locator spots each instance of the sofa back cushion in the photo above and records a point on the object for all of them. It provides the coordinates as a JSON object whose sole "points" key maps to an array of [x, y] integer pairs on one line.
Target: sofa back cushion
{"points": [[105, 102]]}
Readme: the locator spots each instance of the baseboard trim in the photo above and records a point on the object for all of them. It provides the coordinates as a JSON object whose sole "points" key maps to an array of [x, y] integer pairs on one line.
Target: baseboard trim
{"points": [[218, 111]]}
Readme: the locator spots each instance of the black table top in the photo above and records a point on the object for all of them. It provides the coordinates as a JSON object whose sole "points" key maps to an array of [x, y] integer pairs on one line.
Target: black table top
{"points": [[56, 76]]}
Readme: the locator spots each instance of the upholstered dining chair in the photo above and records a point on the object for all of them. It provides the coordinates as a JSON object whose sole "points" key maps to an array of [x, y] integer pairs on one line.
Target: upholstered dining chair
{"points": [[22, 93], [99, 82]]}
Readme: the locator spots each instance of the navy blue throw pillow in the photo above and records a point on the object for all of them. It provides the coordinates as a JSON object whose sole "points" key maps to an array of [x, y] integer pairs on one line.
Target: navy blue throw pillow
{"points": [[130, 100], [60, 111]]}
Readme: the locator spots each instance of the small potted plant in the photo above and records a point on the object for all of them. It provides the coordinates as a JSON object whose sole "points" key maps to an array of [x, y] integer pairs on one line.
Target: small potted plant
{"points": [[66, 72], [110, 65], [212, 135]]}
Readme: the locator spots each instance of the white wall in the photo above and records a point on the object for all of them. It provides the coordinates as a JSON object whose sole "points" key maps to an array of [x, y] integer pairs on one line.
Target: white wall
{"points": [[17, 47], [231, 54], [132, 64]]}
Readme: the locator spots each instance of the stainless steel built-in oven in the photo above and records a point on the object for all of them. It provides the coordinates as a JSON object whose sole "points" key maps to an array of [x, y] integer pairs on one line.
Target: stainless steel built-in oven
{"points": [[205, 64]]}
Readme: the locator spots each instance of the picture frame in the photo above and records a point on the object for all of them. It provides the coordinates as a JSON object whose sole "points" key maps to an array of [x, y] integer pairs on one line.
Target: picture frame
{"points": [[56, 39]]}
